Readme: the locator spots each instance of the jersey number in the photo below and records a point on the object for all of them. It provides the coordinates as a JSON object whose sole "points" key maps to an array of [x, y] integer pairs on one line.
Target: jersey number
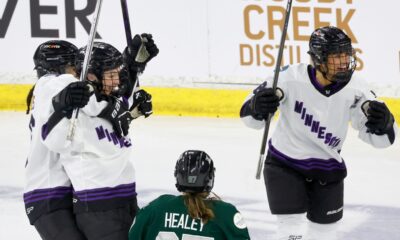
{"points": [[173, 236]]}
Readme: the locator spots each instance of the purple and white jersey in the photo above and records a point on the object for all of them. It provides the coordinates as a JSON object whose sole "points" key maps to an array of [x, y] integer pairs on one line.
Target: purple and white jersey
{"points": [[40, 158], [98, 163], [313, 120], [47, 186], [96, 157]]}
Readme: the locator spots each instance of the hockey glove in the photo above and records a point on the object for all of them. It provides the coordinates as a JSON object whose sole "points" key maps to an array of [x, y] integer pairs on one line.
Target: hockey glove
{"points": [[142, 50], [75, 95], [380, 120], [265, 102], [141, 104], [118, 115]]}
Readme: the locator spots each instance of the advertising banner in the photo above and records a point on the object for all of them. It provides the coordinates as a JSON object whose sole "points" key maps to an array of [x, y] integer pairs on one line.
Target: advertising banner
{"points": [[210, 41]]}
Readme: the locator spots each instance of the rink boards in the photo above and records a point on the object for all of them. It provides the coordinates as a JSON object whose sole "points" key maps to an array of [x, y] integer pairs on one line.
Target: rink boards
{"points": [[173, 101]]}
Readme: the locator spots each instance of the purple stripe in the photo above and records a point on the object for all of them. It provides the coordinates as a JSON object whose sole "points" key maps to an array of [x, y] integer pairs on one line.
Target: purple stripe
{"points": [[319, 167], [113, 191], [47, 191], [108, 197], [334, 87], [44, 197], [308, 164], [35, 195], [321, 162], [330, 160], [125, 101], [45, 131], [309, 167], [314, 80], [130, 185]]}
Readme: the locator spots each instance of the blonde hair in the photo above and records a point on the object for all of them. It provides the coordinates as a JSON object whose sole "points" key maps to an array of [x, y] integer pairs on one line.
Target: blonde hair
{"points": [[198, 207]]}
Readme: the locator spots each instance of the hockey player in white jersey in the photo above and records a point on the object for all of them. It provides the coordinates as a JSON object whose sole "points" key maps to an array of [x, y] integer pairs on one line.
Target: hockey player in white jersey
{"points": [[304, 171], [48, 190], [98, 160]]}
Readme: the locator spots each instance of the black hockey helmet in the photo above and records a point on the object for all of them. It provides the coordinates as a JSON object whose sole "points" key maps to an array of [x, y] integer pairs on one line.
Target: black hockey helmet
{"points": [[331, 40], [53, 56], [104, 57], [194, 172]]}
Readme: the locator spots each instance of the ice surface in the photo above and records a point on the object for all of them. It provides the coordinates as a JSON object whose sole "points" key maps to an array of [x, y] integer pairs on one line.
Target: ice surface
{"points": [[372, 188]]}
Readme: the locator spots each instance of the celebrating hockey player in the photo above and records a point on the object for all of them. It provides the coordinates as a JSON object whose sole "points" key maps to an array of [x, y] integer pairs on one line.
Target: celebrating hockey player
{"points": [[48, 190], [304, 170], [95, 201], [197, 214], [99, 159]]}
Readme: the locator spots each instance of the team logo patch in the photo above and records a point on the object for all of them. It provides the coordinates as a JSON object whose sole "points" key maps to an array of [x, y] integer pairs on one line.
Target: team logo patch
{"points": [[29, 210], [334, 211], [239, 221]]}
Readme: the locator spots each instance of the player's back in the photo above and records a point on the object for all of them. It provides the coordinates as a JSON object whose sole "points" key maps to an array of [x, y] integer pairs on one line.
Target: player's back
{"points": [[167, 218]]}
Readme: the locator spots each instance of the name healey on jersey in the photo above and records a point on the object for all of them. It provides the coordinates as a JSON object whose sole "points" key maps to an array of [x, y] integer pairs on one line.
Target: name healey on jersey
{"points": [[183, 221]]}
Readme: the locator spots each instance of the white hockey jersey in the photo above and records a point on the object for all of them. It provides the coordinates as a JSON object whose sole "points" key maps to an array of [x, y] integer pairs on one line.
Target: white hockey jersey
{"points": [[98, 163], [47, 186], [313, 122]]}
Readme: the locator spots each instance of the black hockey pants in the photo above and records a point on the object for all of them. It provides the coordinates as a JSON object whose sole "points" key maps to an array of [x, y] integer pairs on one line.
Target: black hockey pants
{"points": [[58, 225], [111, 224]]}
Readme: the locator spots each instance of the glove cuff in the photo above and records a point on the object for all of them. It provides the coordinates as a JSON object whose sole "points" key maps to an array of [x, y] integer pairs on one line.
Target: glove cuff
{"points": [[59, 102]]}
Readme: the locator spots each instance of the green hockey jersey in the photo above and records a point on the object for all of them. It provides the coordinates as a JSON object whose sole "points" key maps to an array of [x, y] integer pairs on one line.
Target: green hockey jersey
{"points": [[167, 218]]}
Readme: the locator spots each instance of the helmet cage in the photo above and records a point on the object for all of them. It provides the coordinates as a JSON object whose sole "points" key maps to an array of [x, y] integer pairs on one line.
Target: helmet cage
{"points": [[124, 83], [104, 57], [330, 42]]}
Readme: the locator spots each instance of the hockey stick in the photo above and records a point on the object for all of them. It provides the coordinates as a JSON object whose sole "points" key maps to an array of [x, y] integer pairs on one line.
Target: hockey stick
{"points": [[275, 83], [128, 34], [127, 25], [86, 60]]}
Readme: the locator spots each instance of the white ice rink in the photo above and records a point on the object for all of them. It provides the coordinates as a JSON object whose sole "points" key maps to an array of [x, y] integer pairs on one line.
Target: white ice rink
{"points": [[372, 188]]}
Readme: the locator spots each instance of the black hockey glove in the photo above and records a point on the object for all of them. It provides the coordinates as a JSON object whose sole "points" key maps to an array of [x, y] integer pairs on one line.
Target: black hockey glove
{"points": [[118, 115], [75, 95], [142, 50], [380, 120], [141, 104], [265, 102]]}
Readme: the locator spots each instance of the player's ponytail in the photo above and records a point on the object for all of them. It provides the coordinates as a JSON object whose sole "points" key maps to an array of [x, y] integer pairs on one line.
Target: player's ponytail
{"points": [[29, 99], [198, 207]]}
